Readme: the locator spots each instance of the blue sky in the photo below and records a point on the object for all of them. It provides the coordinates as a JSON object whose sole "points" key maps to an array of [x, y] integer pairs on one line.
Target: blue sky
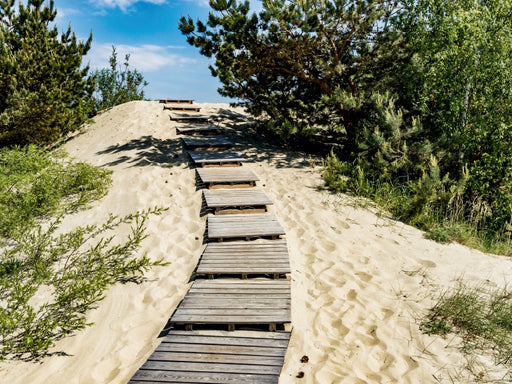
{"points": [[148, 31]]}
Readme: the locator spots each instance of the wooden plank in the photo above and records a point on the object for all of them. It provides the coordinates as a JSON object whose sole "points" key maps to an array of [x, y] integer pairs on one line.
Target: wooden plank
{"points": [[198, 129], [205, 366], [226, 357], [176, 101], [236, 198], [227, 177], [233, 301], [189, 117], [148, 376], [217, 158], [237, 350], [209, 142], [243, 226], [221, 358], [229, 338], [250, 258], [181, 107]]}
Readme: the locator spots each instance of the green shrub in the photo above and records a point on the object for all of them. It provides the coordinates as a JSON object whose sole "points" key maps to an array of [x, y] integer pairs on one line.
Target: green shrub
{"points": [[75, 268], [117, 85], [35, 184]]}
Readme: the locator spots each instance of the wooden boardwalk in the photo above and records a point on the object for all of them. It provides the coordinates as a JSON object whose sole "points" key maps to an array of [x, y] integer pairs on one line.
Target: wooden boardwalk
{"points": [[219, 300], [225, 357], [243, 258], [235, 303], [225, 227], [189, 117], [227, 201], [235, 177], [216, 158], [198, 129], [210, 142]]}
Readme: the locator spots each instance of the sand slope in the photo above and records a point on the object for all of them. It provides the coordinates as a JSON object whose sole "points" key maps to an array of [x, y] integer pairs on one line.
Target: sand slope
{"points": [[360, 282]]}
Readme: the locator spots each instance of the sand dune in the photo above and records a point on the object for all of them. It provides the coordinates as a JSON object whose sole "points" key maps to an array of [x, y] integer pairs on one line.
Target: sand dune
{"points": [[360, 281]]}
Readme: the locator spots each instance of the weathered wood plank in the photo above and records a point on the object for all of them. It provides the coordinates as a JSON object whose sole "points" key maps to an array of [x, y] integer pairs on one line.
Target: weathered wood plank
{"points": [[189, 117], [227, 177], [181, 107], [198, 129], [219, 358], [146, 377], [235, 198], [243, 257], [225, 349], [177, 101], [235, 302], [217, 158], [243, 226], [209, 367], [226, 357], [230, 338], [218, 141]]}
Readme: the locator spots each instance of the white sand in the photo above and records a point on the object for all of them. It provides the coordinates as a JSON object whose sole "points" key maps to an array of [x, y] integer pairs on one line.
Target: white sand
{"points": [[360, 282]]}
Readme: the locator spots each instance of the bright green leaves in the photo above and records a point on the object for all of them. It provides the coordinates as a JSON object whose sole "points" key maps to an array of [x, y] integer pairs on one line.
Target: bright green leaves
{"points": [[117, 84]]}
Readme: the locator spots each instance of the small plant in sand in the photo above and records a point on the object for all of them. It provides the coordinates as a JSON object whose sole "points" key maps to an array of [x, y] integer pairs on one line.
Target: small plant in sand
{"points": [[482, 318]]}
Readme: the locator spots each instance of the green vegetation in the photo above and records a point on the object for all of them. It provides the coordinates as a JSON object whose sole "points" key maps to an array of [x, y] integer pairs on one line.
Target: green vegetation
{"points": [[414, 99], [117, 85], [483, 319], [44, 91], [45, 94], [35, 184], [74, 268]]}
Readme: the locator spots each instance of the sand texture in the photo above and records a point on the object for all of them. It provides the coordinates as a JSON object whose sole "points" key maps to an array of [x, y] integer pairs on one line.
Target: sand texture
{"points": [[361, 282]]}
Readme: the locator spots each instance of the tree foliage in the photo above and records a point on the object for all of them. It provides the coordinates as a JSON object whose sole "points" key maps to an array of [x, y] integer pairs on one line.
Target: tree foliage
{"points": [[416, 94], [43, 88], [117, 84], [297, 53]]}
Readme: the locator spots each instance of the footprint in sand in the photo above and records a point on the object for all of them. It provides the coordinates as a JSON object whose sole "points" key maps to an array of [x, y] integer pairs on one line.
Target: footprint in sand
{"points": [[352, 295], [427, 263], [364, 276]]}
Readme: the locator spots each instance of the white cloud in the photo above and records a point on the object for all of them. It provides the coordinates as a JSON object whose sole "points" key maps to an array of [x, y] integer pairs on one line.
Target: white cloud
{"points": [[144, 58], [123, 4]]}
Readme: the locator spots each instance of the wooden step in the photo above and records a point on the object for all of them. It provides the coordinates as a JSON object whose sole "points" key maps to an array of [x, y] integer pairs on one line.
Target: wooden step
{"points": [[225, 227], [181, 107], [189, 117], [234, 303], [216, 158], [228, 201], [234, 177], [176, 101], [223, 357], [198, 129], [245, 259], [218, 142]]}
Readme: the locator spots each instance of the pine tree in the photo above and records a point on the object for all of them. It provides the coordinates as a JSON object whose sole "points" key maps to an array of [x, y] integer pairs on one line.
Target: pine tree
{"points": [[43, 89]]}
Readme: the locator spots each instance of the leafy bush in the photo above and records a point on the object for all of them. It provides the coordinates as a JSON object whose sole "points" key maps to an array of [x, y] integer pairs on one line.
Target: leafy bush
{"points": [[74, 268], [35, 184], [117, 85]]}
